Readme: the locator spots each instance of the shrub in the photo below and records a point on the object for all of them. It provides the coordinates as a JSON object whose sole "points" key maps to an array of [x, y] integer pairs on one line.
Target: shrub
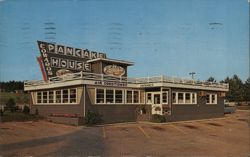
{"points": [[26, 110], [158, 118], [92, 118], [11, 105], [36, 112], [1, 112], [19, 117]]}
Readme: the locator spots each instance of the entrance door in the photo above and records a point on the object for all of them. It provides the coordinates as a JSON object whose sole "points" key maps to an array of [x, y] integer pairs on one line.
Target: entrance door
{"points": [[156, 104]]}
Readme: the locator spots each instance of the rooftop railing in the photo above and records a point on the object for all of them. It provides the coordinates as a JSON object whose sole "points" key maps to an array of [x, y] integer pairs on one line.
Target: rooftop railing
{"points": [[143, 80]]}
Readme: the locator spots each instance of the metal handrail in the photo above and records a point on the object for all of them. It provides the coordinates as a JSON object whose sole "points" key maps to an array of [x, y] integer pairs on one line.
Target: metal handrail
{"points": [[142, 80]]}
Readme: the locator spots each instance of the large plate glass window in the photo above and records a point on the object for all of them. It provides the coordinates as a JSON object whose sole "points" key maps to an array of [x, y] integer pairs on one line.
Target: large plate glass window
{"points": [[208, 98], [39, 97], [58, 96], [72, 95], [109, 96], [194, 98], [118, 96], [211, 99], [164, 96], [180, 98], [51, 97], [99, 96], [129, 97], [65, 96], [149, 98], [45, 97], [188, 98], [174, 98], [184, 98], [136, 96]]}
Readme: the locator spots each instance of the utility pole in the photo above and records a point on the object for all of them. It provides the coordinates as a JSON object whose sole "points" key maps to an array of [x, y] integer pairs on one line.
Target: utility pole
{"points": [[192, 74]]}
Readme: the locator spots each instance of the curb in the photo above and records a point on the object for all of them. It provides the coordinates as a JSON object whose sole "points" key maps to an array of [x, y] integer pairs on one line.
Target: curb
{"points": [[184, 121], [166, 123]]}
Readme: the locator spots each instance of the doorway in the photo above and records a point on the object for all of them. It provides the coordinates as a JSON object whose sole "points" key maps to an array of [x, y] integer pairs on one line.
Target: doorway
{"points": [[154, 98]]}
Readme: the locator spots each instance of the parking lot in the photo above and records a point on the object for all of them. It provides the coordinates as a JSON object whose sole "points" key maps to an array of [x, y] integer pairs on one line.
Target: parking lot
{"points": [[227, 136]]}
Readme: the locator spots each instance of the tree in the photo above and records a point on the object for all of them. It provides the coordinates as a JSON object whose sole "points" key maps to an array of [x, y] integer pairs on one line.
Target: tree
{"points": [[211, 79], [11, 104], [235, 88], [11, 86], [246, 90], [26, 99]]}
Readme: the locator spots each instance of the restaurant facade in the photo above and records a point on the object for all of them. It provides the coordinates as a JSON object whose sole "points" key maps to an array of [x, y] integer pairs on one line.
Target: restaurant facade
{"points": [[77, 81]]}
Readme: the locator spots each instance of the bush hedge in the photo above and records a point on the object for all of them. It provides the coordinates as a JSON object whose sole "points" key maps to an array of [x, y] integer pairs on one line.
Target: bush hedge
{"points": [[92, 118], [19, 117], [158, 118], [26, 110]]}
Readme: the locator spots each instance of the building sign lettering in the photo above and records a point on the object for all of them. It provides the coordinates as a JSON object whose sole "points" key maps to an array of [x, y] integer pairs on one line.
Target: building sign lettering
{"points": [[111, 83], [59, 59]]}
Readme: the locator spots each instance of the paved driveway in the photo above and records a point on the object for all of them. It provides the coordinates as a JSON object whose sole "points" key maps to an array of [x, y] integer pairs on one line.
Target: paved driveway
{"points": [[228, 136]]}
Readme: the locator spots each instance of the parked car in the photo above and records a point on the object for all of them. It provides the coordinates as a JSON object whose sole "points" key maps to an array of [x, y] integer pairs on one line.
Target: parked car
{"points": [[229, 107]]}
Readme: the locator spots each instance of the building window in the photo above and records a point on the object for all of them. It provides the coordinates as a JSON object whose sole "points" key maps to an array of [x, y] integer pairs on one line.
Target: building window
{"points": [[58, 96], [45, 97], [164, 97], [142, 97], [109, 96], [136, 96], [65, 95], [100, 96], [208, 98], [184, 98], [174, 98], [119, 96], [51, 97], [149, 98], [72, 95], [129, 97], [211, 99], [39, 97], [188, 98], [180, 98], [194, 98]]}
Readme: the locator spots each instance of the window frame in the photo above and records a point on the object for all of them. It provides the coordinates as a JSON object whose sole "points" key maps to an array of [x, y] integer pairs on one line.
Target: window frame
{"points": [[122, 96], [164, 92], [211, 99], [54, 98], [184, 98], [133, 95], [104, 95], [126, 96], [113, 91]]}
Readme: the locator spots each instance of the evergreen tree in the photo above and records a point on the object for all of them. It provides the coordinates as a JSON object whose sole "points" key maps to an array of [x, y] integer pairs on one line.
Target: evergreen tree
{"points": [[211, 79], [235, 88], [246, 90]]}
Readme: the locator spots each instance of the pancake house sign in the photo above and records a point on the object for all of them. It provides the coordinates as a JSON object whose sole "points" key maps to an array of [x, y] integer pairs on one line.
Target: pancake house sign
{"points": [[57, 60]]}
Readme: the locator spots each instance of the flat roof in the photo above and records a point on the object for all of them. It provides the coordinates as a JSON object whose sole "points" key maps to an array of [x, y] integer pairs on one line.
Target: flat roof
{"points": [[111, 60], [104, 80]]}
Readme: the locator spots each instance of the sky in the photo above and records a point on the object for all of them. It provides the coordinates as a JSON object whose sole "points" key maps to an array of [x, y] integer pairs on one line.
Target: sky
{"points": [[162, 37]]}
